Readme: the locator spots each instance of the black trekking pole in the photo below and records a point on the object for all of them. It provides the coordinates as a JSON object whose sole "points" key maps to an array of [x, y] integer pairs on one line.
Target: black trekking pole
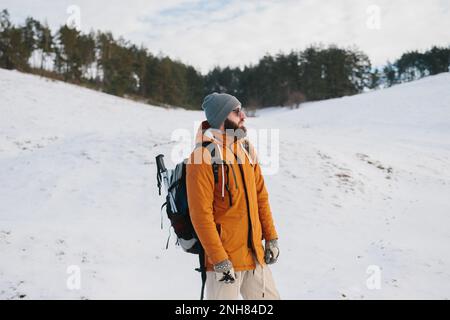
{"points": [[163, 173]]}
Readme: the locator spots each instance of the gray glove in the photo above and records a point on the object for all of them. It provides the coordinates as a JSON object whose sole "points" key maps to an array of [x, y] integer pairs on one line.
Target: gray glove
{"points": [[271, 251], [225, 272]]}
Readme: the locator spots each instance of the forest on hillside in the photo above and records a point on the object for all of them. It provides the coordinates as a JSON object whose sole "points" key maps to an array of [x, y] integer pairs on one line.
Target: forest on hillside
{"points": [[116, 66]]}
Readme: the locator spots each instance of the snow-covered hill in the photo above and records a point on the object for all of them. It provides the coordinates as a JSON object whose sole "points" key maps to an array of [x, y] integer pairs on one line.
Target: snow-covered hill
{"points": [[363, 186]]}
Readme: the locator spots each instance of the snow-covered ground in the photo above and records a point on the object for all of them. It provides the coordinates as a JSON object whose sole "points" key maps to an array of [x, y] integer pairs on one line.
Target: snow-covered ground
{"points": [[361, 194]]}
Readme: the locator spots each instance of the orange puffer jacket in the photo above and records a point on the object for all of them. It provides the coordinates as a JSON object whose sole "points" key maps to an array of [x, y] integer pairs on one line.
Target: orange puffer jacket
{"points": [[232, 217]]}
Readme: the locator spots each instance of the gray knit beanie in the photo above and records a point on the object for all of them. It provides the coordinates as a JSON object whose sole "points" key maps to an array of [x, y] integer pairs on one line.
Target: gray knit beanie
{"points": [[218, 106]]}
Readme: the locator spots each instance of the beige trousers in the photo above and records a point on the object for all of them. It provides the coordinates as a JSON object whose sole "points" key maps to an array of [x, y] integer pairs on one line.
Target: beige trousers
{"points": [[257, 284]]}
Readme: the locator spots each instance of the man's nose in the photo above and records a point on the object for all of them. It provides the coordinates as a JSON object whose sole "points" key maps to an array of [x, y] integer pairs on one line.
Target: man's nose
{"points": [[243, 116]]}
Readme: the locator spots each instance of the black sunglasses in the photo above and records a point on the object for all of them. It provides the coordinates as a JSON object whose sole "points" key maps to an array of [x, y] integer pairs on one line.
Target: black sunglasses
{"points": [[238, 111]]}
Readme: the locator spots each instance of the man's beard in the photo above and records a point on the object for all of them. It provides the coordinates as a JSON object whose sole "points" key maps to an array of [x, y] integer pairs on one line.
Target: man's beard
{"points": [[233, 129]]}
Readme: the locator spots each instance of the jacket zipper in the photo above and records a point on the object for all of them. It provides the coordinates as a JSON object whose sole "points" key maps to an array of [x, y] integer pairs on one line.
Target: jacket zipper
{"points": [[227, 185]]}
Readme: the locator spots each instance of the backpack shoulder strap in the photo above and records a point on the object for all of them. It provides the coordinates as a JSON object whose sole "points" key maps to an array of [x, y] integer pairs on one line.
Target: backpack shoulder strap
{"points": [[215, 167]]}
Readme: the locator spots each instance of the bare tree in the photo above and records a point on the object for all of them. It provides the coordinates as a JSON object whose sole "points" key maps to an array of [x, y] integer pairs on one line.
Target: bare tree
{"points": [[295, 98]]}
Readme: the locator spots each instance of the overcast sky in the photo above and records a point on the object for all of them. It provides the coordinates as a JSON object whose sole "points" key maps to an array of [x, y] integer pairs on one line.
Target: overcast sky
{"points": [[237, 32]]}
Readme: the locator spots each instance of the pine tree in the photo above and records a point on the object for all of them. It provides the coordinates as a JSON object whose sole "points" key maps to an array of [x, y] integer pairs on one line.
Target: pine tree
{"points": [[44, 41], [5, 29]]}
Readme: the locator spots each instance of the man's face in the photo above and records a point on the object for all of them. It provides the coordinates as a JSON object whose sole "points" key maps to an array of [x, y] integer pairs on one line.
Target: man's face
{"points": [[237, 116], [235, 121]]}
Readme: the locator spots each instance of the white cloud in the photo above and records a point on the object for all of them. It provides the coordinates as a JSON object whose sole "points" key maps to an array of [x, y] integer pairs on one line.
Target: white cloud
{"points": [[208, 33]]}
